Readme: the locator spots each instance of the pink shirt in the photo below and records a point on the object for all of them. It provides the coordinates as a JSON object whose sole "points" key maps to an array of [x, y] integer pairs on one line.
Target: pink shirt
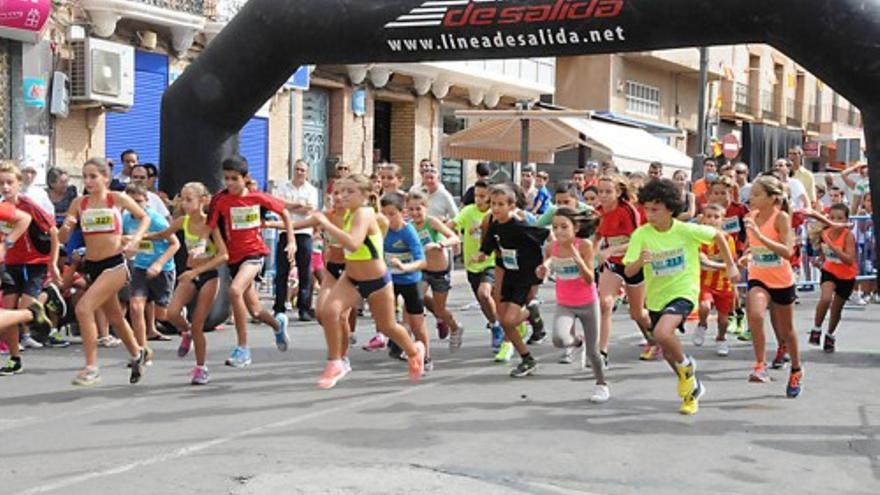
{"points": [[571, 288]]}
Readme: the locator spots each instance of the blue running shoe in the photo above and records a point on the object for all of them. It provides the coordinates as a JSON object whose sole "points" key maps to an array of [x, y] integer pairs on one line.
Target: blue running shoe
{"points": [[240, 358], [497, 337], [282, 340]]}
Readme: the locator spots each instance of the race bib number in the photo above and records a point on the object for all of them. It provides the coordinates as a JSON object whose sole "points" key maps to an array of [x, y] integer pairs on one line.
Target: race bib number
{"points": [[402, 257], [731, 225], [245, 217], [477, 233], [666, 263], [831, 256], [95, 220], [145, 247], [6, 227], [425, 237], [765, 258], [566, 269], [618, 240], [508, 259]]}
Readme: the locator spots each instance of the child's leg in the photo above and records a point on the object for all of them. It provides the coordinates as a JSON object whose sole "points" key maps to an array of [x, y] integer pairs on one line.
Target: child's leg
{"points": [[487, 304], [511, 316], [182, 296], [137, 307], [14, 317], [758, 301], [204, 302], [825, 298], [837, 305], [237, 289], [256, 309], [104, 288], [342, 297], [589, 317], [783, 316], [563, 320], [416, 322], [383, 311], [442, 312], [635, 294], [113, 309], [11, 335], [609, 287], [664, 335]]}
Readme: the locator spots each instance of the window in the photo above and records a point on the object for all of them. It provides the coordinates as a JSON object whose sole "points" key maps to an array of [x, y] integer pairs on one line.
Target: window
{"points": [[451, 176], [642, 99]]}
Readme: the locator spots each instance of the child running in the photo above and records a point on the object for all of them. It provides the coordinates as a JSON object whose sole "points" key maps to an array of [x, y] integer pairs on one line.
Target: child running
{"points": [[667, 251], [105, 266], [771, 279], [405, 258], [571, 258], [839, 272], [481, 275], [715, 288], [205, 252], [517, 249], [237, 211], [365, 277], [722, 191], [436, 238]]}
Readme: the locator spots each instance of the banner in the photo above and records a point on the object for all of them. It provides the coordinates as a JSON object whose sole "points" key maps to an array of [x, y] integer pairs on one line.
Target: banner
{"points": [[24, 20]]}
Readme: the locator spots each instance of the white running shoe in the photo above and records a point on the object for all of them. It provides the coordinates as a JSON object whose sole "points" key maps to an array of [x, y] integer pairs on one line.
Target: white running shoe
{"points": [[29, 342], [723, 349], [601, 394], [700, 336], [567, 356]]}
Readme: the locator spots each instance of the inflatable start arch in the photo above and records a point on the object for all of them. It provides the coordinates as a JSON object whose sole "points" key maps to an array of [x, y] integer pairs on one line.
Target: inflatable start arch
{"points": [[838, 41]]}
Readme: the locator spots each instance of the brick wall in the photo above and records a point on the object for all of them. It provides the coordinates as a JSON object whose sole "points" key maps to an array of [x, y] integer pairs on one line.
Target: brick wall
{"points": [[351, 137], [79, 137], [403, 139], [279, 137]]}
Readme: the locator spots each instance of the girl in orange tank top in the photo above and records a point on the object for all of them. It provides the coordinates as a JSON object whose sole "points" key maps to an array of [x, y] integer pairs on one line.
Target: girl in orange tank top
{"points": [[771, 280], [839, 272]]}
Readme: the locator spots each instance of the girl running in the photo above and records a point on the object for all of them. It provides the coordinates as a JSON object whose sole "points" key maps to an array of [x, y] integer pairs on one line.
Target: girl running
{"points": [[105, 266], [619, 217], [205, 252], [365, 277], [839, 272], [570, 257], [771, 279]]}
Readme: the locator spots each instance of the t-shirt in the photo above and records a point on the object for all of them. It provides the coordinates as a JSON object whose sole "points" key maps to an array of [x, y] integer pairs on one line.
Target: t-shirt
{"points": [[441, 204], [149, 251], [674, 269], [745, 192], [716, 280], [617, 225], [33, 247], [240, 219], [733, 224], [7, 212], [306, 193], [862, 188], [808, 181], [797, 194], [469, 222], [542, 201], [156, 203], [404, 245], [520, 249]]}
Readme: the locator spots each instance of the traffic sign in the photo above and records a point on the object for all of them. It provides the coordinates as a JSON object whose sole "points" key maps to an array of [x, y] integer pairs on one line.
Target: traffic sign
{"points": [[730, 146]]}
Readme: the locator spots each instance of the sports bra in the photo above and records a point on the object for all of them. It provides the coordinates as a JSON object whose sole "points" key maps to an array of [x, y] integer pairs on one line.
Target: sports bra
{"points": [[106, 220], [371, 249], [195, 245]]}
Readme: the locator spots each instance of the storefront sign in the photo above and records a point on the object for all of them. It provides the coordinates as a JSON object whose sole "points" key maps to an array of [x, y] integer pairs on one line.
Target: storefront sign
{"points": [[811, 149], [24, 20], [359, 102], [34, 92]]}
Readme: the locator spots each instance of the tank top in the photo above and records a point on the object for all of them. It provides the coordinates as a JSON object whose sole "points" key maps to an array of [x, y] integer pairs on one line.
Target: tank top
{"points": [[195, 245], [428, 234], [571, 288], [103, 220], [371, 249], [766, 266], [833, 263]]}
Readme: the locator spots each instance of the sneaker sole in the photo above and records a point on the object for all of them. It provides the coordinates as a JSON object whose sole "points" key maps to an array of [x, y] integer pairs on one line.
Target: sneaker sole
{"points": [[333, 382], [522, 375]]}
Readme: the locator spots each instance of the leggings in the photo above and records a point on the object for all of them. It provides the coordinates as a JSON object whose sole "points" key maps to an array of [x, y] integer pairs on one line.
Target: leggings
{"points": [[563, 335]]}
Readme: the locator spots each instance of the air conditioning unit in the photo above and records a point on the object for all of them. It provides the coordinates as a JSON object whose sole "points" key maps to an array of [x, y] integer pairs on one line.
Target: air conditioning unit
{"points": [[102, 74]]}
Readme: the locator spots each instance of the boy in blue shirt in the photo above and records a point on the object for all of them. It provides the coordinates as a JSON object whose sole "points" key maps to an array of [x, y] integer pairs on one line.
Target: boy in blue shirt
{"points": [[153, 274], [542, 199]]}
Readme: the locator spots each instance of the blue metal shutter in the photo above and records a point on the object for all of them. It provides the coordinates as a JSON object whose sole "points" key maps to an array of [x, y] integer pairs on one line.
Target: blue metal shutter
{"points": [[253, 144], [138, 129]]}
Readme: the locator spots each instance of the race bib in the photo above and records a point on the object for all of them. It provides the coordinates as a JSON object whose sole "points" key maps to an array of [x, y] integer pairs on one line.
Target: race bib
{"points": [[425, 237], [403, 257], [508, 259], [762, 257], [566, 269], [731, 225], [618, 240], [145, 247], [6, 227], [245, 217], [96, 220], [477, 234], [831, 256], [666, 263]]}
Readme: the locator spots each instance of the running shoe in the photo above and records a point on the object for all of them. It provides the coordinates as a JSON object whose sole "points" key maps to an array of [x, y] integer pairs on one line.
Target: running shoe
{"points": [[199, 375], [455, 339], [185, 344], [40, 324], [830, 343], [334, 371], [13, 366], [442, 330], [723, 349], [137, 366], [700, 335], [601, 394], [815, 337], [780, 358], [537, 338], [87, 377], [240, 357], [55, 301], [687, 377], [417, 363], [149, 354], [794, 387], [745, 336], [649, 352], [4, 348], [535, 320], [377, 343], [28, 342], [429, 364], [497, 337], [691, 404], [347, 363], [567, 356], [759, 374], [55, 340], [525, 368], [109, 341], [394, 351], [505, 353], [282, 340]]}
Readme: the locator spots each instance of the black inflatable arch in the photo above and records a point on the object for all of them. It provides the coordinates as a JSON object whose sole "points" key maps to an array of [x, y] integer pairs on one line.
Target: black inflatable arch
{"points": [[838, 41]]}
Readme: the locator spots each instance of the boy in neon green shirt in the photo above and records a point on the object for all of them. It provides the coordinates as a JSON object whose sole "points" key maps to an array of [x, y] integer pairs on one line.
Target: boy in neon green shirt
{"points": [[668, 252], [481, 275]]}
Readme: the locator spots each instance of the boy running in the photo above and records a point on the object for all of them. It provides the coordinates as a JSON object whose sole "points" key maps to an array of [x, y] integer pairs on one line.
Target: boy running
{"points": [[715, 288]]}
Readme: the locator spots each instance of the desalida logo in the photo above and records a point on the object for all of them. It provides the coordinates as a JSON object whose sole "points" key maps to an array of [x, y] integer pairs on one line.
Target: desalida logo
{"points": [[460, 13]]}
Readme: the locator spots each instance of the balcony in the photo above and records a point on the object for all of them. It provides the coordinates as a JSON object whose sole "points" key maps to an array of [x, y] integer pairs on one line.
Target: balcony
{"points": [[768, 109], [737, 101], [847, 116], [793, 112], [182, 18]]}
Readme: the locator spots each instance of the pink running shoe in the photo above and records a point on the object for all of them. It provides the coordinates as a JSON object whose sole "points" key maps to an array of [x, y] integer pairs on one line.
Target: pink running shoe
{"points": [[185, 344], [417, 363], [377, 343], [4, 348], [334, 371]]}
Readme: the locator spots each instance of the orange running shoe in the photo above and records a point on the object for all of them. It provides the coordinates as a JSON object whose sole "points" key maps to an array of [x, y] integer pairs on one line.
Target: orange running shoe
{"points": [[417, 363], [334, 371]]}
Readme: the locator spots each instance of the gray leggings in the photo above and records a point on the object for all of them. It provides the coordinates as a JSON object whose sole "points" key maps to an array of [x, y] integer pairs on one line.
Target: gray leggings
{"points": [[564, 332]]}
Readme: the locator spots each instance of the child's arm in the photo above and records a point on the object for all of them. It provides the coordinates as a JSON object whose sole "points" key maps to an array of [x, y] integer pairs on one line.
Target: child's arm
{"points": [[632, 269], [172, 229], [708, 265], [848, 254], [451, 237], [125, 201], [220, 258], [156, 267], [724, 248], [583, 256], [70, 220], [783, 226], [55, 247], [543, 269], [360, 226]]}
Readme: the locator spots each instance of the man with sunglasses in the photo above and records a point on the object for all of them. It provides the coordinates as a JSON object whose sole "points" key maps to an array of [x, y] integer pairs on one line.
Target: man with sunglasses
{"points": [[300, 198], [741, 171], [342, 169], [140, 175]]}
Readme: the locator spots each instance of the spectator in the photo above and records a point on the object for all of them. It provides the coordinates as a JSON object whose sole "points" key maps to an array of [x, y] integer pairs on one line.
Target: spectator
{"points": [[441, 204], [483, 173], [799, 172], [129, 159], [139, 175], [797, 194], [342, 169], [61, 194], [858, 187], [710, 173], [579, 181], [527, 183], [741, 176], [38, 194], [300, 198], [690, 204], [607, 167], [152, 176], [542, 199], [655, 170], [391, 176], [591, 174]]}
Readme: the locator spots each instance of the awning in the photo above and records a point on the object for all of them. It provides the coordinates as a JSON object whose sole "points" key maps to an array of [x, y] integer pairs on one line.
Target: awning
{"points": [[497, 138], [654, 128]]}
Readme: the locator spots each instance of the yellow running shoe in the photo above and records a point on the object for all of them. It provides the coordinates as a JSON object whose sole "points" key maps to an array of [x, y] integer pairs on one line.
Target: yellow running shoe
{"points": [[505, 353], [691, 404], [687, 378]]}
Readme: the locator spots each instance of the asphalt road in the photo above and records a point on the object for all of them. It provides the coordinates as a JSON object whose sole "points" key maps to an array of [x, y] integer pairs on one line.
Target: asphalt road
{"points": [[467, 428]]}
